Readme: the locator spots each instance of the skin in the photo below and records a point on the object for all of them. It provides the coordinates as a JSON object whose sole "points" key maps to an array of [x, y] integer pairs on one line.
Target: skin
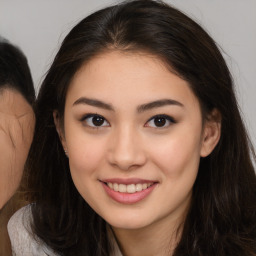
{"points": [[16, 131], [130, 145]]}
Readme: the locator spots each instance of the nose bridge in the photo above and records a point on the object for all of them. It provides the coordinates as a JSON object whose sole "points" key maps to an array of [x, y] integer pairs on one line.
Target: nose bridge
{"points": [[125, 148]]}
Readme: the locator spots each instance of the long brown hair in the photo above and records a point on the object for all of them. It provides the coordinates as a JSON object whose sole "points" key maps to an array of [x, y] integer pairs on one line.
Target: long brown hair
{"points": [[222, 217]]}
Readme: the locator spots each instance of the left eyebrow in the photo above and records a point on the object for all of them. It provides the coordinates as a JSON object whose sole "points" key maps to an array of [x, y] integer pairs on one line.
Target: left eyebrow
{"points": [[157, 104]]}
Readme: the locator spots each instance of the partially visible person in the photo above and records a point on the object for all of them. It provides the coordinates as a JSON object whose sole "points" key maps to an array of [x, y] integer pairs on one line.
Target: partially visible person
{"points": [[17, 96]]}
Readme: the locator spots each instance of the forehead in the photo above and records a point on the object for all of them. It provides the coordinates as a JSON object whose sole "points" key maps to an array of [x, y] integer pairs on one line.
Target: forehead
{"points": [[134, 76], [12, 102]]}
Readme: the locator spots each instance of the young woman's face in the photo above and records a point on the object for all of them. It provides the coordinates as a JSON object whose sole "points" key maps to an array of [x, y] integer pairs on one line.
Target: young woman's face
{"points": [[134, 136], [16, 132]]}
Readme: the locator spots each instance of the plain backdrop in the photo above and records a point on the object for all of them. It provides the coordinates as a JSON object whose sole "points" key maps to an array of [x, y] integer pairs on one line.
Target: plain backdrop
{"points": [[39, 26]]}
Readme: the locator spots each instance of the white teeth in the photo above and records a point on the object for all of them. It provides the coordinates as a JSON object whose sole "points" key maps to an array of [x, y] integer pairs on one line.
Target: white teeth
{"points": [[144, 186], [122, 188], [115, 186], [131, 188], [138, 187], [110, 185]]}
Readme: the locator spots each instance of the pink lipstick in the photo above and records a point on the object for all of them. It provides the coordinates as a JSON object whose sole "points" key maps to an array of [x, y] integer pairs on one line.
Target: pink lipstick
{"points": [[128, 191]]}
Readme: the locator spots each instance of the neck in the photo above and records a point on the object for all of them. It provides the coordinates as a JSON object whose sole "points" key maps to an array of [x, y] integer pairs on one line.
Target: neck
{"points": [[157, 239]]}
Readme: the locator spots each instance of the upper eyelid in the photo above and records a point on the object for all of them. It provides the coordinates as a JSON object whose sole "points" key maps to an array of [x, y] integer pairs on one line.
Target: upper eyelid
{"points": [[170, 119], [91, 115], [86, 116], [163, 116]]}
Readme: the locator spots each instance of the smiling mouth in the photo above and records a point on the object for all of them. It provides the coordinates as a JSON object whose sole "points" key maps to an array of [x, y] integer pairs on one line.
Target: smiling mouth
{"points": [[128, 191], [130, 188]]}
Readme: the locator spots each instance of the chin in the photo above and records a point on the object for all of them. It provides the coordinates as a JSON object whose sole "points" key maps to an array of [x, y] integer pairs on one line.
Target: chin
{"points": [[128, 222]]}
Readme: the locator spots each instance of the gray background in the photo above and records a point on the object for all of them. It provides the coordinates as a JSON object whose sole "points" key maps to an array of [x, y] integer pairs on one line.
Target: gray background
{"points": [[39, 26]]}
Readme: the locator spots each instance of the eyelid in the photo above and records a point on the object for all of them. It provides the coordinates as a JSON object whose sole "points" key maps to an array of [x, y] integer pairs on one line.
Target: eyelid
{"points": [[87, 116], [167, 117]]}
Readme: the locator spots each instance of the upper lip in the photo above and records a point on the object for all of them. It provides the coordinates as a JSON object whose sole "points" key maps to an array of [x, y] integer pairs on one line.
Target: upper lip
{"points": [[128, 181]]}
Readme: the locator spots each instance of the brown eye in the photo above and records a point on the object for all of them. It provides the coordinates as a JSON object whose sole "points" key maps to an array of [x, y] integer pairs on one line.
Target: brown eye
{"points": [[160, 121], [95, 121], [98, 120]]}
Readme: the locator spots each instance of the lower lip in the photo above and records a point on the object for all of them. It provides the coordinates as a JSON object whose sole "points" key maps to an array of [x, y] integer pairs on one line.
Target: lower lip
{"points": [[127, 198]]}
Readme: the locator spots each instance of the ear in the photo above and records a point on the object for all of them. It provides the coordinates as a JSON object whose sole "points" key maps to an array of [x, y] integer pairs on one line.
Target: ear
{"points": [[59, 129], [211, 133]]}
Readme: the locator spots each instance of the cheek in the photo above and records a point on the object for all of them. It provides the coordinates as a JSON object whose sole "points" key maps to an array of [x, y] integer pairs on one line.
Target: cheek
{"points": [[11, 169], [178, 157], [85, 159], [85, 155]]}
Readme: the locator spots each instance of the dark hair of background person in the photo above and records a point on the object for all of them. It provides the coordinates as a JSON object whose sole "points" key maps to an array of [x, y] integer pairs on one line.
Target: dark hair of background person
{"points": [[15, 75], [222, 217], [15, 72]]}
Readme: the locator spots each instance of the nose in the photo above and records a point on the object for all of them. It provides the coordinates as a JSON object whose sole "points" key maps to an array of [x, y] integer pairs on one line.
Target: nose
{"points": [[126, 149]]}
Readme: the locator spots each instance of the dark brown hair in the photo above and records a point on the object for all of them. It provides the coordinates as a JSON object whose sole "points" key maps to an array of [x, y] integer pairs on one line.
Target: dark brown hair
{"points": [[222, 217], [14, 71]]}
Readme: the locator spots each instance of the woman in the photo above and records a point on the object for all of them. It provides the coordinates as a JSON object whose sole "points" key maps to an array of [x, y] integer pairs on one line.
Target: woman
{"points": [[17, 96], [139, 148]]}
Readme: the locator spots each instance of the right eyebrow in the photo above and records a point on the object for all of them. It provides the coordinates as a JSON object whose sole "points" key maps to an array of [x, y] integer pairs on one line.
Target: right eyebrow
{"points": [[94, 103]]}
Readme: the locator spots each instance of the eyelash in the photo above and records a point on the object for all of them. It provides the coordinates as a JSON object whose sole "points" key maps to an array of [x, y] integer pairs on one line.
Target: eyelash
{"points": [[165, 118], [85, 118]]}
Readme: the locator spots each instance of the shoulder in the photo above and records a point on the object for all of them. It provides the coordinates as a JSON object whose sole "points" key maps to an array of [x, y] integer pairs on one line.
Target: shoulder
{"points": [[19, 224], [23, 241]]}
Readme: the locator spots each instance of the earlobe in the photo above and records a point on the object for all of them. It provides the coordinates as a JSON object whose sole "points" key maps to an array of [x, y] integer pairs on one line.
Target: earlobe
{"points": [[211, 133]]}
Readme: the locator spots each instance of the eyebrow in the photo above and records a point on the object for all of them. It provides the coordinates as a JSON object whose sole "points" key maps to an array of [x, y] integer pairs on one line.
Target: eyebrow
{"points": [[157, 104], [94, 103], [140, 109]]}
